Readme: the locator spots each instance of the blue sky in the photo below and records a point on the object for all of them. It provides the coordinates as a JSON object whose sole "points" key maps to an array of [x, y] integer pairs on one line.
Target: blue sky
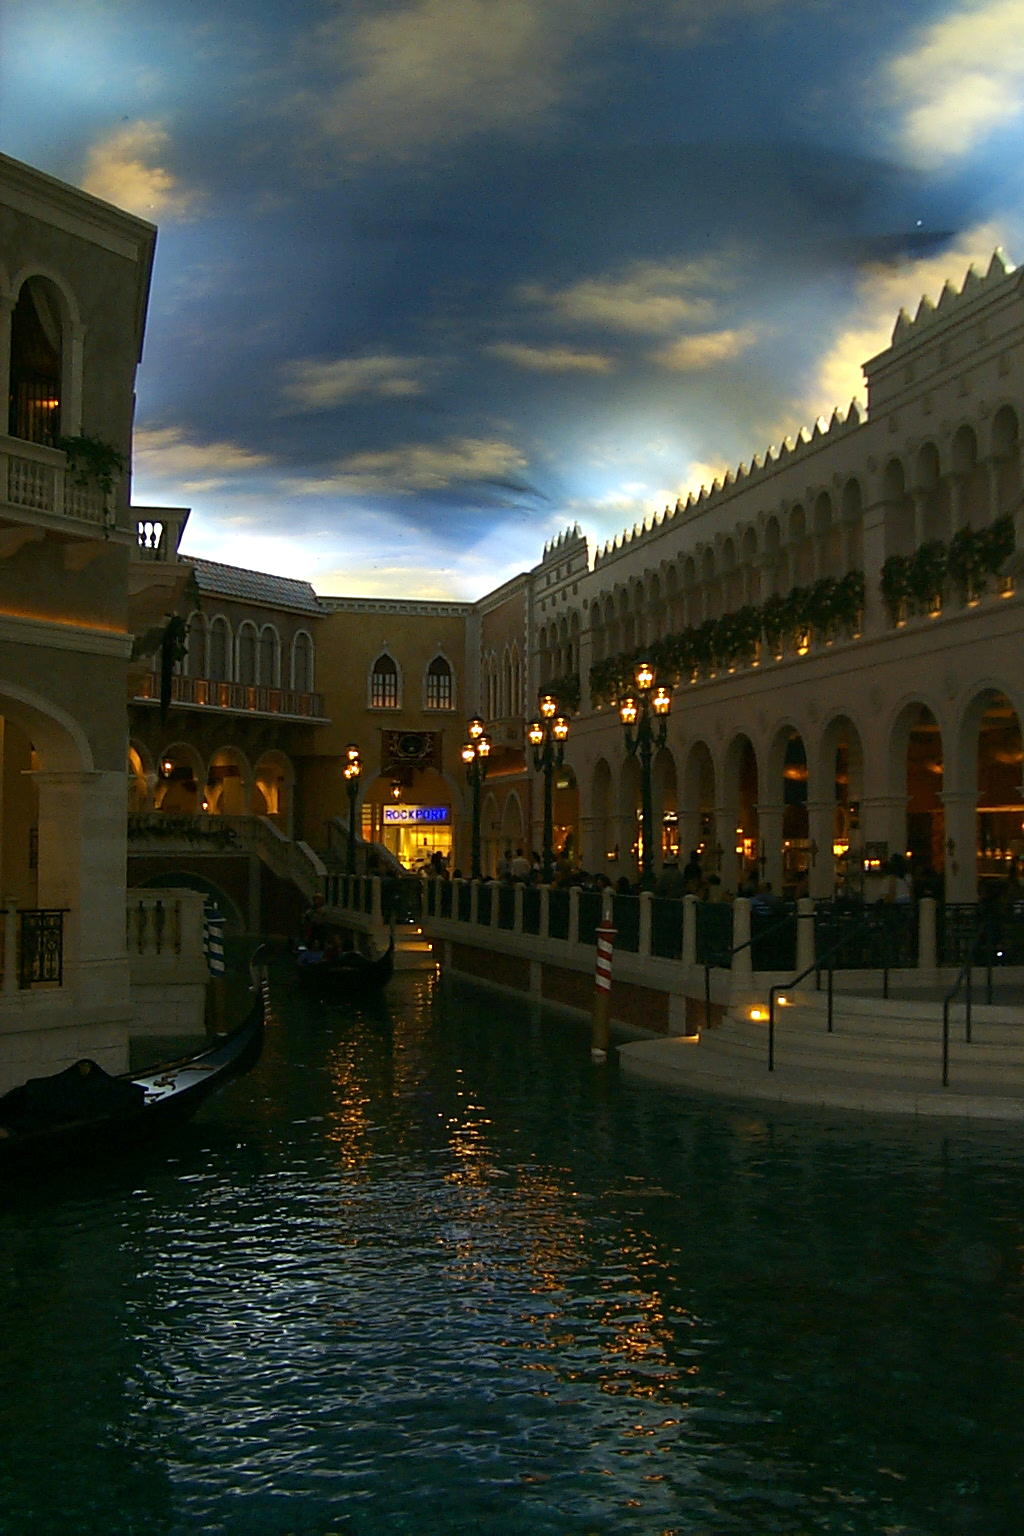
{"points": [[435, 278]]}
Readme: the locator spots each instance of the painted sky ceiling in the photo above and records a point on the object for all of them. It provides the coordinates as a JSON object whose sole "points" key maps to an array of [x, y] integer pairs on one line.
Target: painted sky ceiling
{"points": [[435, 279]]}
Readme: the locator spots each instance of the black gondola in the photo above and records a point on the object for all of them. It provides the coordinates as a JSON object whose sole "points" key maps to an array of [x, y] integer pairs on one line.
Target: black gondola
{"points": [[85, 1109], [344, 978]]}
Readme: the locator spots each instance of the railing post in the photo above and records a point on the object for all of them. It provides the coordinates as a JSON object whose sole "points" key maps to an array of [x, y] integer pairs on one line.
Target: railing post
{"points": [[927, 945], [10, 946], [376, 909], [495, 902], [805, 933], [545, 912], [574, 914], [646, 916], [517, 907], [474, 902], [743, 961], [689, 955]]}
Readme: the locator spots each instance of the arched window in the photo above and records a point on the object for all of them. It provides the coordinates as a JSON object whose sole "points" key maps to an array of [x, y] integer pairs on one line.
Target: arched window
{"points": [[439, 684], [36, 377], [384, 683], [195, 653], [303, 668], [220, 650], [247, 650], [270, 652]]}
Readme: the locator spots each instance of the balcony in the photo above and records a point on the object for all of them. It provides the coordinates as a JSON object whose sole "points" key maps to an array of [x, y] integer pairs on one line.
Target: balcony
{"points": [[35, 487], [234, 698]]}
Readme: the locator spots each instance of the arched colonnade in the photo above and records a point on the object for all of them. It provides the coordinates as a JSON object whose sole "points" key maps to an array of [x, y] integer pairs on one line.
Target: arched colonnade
{"points": [[808, 808]]}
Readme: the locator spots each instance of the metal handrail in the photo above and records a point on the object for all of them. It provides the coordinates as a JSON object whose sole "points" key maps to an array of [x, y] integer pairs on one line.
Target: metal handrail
{"points": [[787, 917], [818, 965], [982, 929]]}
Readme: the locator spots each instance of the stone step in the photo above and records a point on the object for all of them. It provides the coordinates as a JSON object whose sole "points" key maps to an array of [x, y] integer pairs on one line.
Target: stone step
{"points": [[680, 1062]]}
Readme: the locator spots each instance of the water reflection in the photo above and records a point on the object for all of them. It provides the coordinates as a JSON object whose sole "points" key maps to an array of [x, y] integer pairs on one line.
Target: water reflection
{"points": [[428, 1258]]}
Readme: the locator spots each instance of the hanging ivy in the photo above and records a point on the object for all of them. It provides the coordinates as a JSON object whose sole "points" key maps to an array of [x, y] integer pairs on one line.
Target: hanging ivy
{"points": [[93, 462]]}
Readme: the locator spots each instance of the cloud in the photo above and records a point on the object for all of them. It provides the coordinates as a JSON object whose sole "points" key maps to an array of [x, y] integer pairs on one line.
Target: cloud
{"points": [[646, 297], [166, 454], [960, 81], [551, 359], [440, 72], [318, 386], [125, 169], [882, 291], [690, 354], [415, 467]]}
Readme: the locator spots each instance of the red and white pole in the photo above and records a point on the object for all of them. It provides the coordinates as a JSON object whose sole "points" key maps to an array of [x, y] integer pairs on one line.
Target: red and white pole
{"points": [[600, 1033]]}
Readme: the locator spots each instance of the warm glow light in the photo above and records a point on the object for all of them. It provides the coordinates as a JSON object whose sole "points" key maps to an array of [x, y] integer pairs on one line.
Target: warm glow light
{"points": [[662, 701], [468, 752], [352, 752], [475, 728], [758, 1014], [483, 746], [628, 711], [548, 705], [535, 735], [644, 676], [560, 729]]}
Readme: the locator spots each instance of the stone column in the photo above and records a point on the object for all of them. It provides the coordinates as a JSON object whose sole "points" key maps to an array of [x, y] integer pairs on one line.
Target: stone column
{"points": [[83, 867], [769, 821], [821, 870], [960, 816]]}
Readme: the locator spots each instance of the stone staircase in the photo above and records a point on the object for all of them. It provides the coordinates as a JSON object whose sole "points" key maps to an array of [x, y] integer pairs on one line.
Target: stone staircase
{"points": [[881, 1056]]}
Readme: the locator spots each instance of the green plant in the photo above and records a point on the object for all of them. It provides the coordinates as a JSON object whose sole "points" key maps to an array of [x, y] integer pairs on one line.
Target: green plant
{"points": [[93, 462], [895, 585]]}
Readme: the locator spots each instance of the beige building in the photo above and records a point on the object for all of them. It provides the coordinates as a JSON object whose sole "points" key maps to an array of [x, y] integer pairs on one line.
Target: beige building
{"points": [[76, 587]]}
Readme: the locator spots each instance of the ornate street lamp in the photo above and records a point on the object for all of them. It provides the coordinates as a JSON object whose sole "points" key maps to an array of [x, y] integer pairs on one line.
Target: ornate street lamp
{"points": [[644, 714], [547, 736], [475, 755], [351, 772]]}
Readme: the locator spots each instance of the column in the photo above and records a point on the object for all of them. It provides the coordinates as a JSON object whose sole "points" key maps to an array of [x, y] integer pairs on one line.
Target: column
{"points": [[769, 821], [960, 817], [82, 866], [821, 829]]}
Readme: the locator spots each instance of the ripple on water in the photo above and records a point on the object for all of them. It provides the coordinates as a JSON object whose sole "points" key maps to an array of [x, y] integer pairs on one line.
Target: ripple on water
{"points": [[436, 1273]]}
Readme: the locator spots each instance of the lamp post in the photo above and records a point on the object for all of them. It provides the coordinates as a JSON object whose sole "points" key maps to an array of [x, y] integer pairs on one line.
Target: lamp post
{"points": [[475, 755], [547, 736], [352, 770], [644, 714]]}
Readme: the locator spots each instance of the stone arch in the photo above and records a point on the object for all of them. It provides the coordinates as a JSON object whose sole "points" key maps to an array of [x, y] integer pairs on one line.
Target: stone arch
{"points": [[269, 669], [1006, 456], [917, 780], [229, 783], [972, 476], [181, 775], [698, 796], [220, 650], [384, 682], [513, 823], [439, 683], [44, 373], [273, 788], [899, 510], [933, 495], [141, 777], [740, 798], [303, 662], [247, 653], [665, 797], [603, 838], [195, 645]]}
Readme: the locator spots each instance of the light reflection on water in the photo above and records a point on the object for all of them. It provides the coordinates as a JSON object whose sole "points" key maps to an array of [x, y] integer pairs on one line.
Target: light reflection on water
{"points": [[430, 1270]]}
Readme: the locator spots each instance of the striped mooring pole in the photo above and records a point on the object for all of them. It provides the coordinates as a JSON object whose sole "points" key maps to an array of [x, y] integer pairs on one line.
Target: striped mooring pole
{"points": [[213, 944], [602, 992]]}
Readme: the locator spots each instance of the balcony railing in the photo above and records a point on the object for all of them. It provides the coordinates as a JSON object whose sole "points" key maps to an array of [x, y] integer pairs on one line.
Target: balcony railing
{"points": [[35, 478], [240, 698], [33, 947]]}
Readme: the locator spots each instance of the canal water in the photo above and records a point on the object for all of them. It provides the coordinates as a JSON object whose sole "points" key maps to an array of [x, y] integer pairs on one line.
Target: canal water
{"points": [[428, 1270]]}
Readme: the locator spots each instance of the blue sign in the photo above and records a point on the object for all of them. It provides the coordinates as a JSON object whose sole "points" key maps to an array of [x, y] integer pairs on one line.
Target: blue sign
{"points": [[415, 815]]}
